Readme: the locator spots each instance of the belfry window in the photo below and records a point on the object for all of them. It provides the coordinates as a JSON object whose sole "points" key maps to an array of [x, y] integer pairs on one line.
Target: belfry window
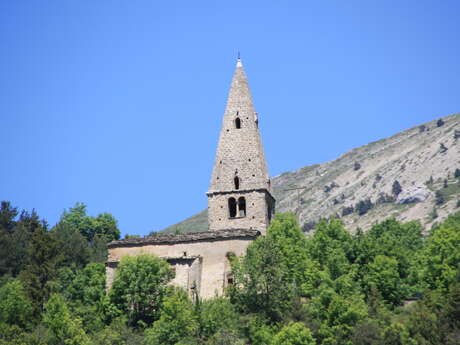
{"points": [[242, 206], [237, 123], [232, 207], [236, 181]]}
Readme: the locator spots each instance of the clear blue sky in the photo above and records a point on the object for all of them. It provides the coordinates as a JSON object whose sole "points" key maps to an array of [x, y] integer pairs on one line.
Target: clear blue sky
{"points": [[118, 104]]}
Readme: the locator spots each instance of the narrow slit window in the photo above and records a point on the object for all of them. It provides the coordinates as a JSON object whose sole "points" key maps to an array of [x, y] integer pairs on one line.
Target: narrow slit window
{"points": [[232, 207], [237, 123], [236, 181], [242, 207]]}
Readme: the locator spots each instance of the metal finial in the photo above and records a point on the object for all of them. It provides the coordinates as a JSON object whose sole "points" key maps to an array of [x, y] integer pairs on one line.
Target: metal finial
{"points": [[239, 57]]}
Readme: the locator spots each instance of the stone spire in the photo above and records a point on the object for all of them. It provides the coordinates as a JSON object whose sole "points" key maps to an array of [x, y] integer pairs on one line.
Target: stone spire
{"points": [[240, 171]]}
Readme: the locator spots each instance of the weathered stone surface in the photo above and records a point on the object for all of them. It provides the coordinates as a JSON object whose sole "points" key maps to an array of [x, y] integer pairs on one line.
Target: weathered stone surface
{"points": [[240, 156], [412, 195], [200, 264]]}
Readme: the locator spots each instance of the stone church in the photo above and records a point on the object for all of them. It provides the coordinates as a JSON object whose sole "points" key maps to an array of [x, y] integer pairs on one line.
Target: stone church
{"points": [[240, 205]]}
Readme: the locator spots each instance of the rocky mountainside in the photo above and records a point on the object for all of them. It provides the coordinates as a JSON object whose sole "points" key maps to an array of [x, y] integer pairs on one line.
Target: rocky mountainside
{"points": [[414, 174]]}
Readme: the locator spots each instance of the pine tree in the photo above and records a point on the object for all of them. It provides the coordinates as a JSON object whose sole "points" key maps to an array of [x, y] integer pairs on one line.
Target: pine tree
{"points": [[396, 188], [457, 173], [44, 256]]}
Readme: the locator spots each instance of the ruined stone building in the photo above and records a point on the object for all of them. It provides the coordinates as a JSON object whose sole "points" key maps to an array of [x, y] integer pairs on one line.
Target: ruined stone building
{"points": [[240, 205]]}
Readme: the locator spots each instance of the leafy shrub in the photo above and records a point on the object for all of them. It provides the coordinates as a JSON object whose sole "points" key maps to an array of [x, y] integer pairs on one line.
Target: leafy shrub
{"points": [[15, 307], [330, 187], [63, 328], [308, 226], [384, 198], [440, 123], [363, 206], [439, 198], [347, 210], [177, 321], [217, 315], [294, 334], [139, 287]]}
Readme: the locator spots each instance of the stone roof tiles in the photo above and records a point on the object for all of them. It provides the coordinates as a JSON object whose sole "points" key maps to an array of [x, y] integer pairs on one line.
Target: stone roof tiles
{"points": [[190, 237]]}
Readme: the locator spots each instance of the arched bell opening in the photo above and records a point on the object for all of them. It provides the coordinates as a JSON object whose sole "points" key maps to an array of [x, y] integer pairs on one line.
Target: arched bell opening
{"points": [[232, 207]]}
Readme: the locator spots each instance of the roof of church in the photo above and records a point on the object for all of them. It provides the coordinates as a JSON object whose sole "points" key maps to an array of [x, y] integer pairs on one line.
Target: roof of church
{"points": [[189, 237]]}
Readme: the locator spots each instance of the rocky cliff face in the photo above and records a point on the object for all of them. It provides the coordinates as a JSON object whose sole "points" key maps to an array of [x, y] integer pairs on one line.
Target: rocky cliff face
{"points": [[411, 175]]}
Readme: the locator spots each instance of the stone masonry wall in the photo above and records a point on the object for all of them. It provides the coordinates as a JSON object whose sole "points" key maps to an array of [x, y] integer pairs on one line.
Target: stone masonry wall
{"points": [[239, 154], [256, 218], [212, 266]]}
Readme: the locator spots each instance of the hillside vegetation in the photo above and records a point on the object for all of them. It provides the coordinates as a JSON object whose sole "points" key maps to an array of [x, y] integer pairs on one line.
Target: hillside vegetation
{"points": [[390, 285], [361, 186]]}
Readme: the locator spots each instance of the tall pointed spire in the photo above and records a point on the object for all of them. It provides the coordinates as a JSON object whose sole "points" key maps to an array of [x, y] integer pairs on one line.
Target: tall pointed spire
{"points": [[240, 169]]}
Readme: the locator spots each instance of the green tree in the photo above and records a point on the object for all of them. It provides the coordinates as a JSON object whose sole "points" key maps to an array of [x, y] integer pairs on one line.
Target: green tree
{"points": [[396, 334], [104, 225], [331, 246], [262, 283], [383, 274], [15, 236], [291, 243], [85, 292], [74, 245], [294, 334], [396, 188], [336, 314], [139, 287], [457, 173], [15, 307], [367, 332], [118, 333], [393, 239], [63, 328], [177, 321], [440, 258], [217, 315], [44, 255], [439, 198], [8, 215], [363, 206]]}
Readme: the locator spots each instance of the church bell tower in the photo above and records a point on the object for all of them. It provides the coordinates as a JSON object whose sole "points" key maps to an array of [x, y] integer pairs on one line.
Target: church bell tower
{"points": [[239, 193]]}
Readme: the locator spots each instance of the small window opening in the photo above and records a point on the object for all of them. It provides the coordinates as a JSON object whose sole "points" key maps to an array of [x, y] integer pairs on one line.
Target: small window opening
{"points": [[185, 254], [238, 123], [230, 281], [232, 207], [236, 180], [242, 206]]}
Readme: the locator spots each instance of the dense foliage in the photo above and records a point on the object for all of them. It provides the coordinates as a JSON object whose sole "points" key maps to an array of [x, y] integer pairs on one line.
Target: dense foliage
{"points": [[397, 283]]}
